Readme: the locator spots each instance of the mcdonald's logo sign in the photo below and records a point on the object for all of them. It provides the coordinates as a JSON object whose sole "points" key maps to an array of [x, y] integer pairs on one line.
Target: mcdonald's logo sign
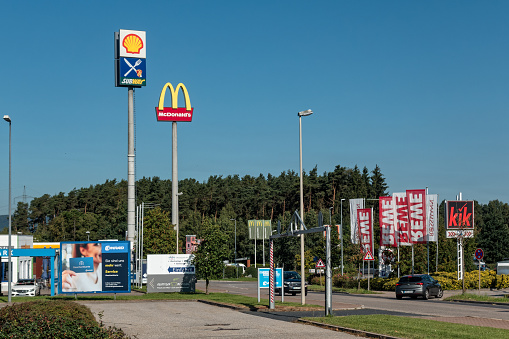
{"points": [[174, 113]]}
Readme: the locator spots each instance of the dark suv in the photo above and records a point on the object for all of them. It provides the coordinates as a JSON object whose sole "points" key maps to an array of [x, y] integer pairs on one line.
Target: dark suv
{"points": [[418, 285], [292, 282]]}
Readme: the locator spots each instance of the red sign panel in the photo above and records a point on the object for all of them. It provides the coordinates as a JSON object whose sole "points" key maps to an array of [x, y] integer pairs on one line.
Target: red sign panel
{"points": [[387, 234], [174, 114], [416, 200], [365, 220], [459, 215], [401, 219]]}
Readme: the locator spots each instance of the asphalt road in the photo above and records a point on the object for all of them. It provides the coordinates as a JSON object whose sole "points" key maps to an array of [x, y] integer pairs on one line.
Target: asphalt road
{"points": [[385, 302]]}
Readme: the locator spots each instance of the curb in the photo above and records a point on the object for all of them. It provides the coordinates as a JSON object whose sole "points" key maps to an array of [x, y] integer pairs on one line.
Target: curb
{"points": [[346, 330], [480, 302]]}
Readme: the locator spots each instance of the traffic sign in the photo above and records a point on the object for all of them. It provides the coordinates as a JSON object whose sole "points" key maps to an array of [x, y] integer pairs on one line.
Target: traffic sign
{"points": [[479, 254], [320, 264], [368, 256]]}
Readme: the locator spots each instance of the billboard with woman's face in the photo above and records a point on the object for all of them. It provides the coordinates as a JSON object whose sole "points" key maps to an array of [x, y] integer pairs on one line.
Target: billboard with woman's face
{"points": [[95, 267]]}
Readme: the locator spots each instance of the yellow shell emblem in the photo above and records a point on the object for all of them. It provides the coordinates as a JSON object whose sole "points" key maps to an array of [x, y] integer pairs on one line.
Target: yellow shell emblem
{"points": [[132, 43]]}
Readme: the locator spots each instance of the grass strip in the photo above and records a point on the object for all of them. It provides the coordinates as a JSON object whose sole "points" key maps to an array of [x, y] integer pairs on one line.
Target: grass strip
{"points": [[341, 290], [231, 299], [405, 327], [477, 297]]}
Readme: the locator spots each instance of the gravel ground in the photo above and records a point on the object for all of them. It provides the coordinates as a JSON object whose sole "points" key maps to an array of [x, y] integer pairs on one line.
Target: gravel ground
{"points": [[166, 319]]}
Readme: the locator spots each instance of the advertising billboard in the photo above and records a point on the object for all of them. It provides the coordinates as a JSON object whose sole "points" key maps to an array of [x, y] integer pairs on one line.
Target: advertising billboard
{"points": [[459, 219], [95, 267], [174, 113], [130, 58], [170, 273], [133, 72]]}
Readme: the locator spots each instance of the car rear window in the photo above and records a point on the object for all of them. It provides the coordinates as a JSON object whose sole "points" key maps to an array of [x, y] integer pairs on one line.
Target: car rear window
{"points": [[410, 279]]}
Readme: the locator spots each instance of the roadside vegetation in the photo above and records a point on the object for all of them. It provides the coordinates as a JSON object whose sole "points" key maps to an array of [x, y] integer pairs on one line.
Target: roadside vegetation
{"points": [[52, 319], [406, 327], [223, 298]]}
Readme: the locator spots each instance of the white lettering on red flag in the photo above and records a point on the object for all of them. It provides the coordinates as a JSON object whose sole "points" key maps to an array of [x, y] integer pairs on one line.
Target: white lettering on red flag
{"points": [[365, 220], [416, 200], [386, 215], [401, 219]]}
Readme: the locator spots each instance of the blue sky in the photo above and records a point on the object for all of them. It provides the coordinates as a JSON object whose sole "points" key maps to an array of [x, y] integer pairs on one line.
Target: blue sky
{"points": [[419, 88]]}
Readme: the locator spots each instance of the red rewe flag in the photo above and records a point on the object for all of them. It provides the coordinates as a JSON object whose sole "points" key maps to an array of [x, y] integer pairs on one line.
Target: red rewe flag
{"points": [[365, 220], [401, 219], [386, 215], [416, 200]]}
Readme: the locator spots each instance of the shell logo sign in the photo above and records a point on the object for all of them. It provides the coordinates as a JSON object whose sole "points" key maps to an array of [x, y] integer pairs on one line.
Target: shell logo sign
{"points": [[133, 44], [174, 113]]}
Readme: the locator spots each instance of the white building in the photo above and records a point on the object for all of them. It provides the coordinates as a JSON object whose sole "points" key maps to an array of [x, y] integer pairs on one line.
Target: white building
{"points": [[22, 267]]}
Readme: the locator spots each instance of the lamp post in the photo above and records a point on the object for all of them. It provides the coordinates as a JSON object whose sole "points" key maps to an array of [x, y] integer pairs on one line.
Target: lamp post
{"points": [[302, 276], [9, 278], [88, 235], [341, 236], [236, 266]]}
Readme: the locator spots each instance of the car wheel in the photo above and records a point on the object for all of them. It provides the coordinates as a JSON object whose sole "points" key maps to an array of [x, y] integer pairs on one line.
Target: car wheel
{"points": [[426, 294], [399, 296], [440, 293]]}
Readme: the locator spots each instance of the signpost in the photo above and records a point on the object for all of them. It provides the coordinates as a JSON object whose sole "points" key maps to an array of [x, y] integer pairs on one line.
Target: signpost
{"points": [[479, 254], [319, 266], [264, 280]]}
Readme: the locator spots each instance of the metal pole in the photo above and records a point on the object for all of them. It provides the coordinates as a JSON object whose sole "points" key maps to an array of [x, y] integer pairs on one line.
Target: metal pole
{"points": [[174, 180], [236, 265], [235, 240], [271, 285], [9, 279], [141, 240], [341, 235], [131, 199], [302, 272], [328, 274]]}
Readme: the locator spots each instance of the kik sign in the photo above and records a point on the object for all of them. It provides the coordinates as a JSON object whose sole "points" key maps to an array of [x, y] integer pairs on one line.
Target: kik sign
{"points": [[460, 215]]}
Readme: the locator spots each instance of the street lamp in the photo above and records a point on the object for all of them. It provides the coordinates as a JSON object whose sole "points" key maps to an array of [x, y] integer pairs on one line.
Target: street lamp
{"points": [[236, 267], [177, 201], [341, 236], [9, 279], [302, 277], [88, 235]]}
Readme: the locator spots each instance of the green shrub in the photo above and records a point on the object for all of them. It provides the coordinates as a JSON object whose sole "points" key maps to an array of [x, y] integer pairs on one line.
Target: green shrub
{"points": [[230, 272], [251, 271], [52, 319], [344, 281]]}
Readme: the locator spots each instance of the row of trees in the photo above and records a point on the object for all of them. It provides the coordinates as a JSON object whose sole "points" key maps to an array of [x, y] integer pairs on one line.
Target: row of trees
{"points": [[102, 211]]}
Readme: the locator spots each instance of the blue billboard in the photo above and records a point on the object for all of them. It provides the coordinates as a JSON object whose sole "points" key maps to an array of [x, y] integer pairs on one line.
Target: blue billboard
{"points": [[264, 277], [132, 72], [95, 267]]}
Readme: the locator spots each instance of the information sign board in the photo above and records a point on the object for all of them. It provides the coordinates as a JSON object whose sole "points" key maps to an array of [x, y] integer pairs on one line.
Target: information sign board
{"points": [[95, 267], [264, 277], [170, 273]]}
